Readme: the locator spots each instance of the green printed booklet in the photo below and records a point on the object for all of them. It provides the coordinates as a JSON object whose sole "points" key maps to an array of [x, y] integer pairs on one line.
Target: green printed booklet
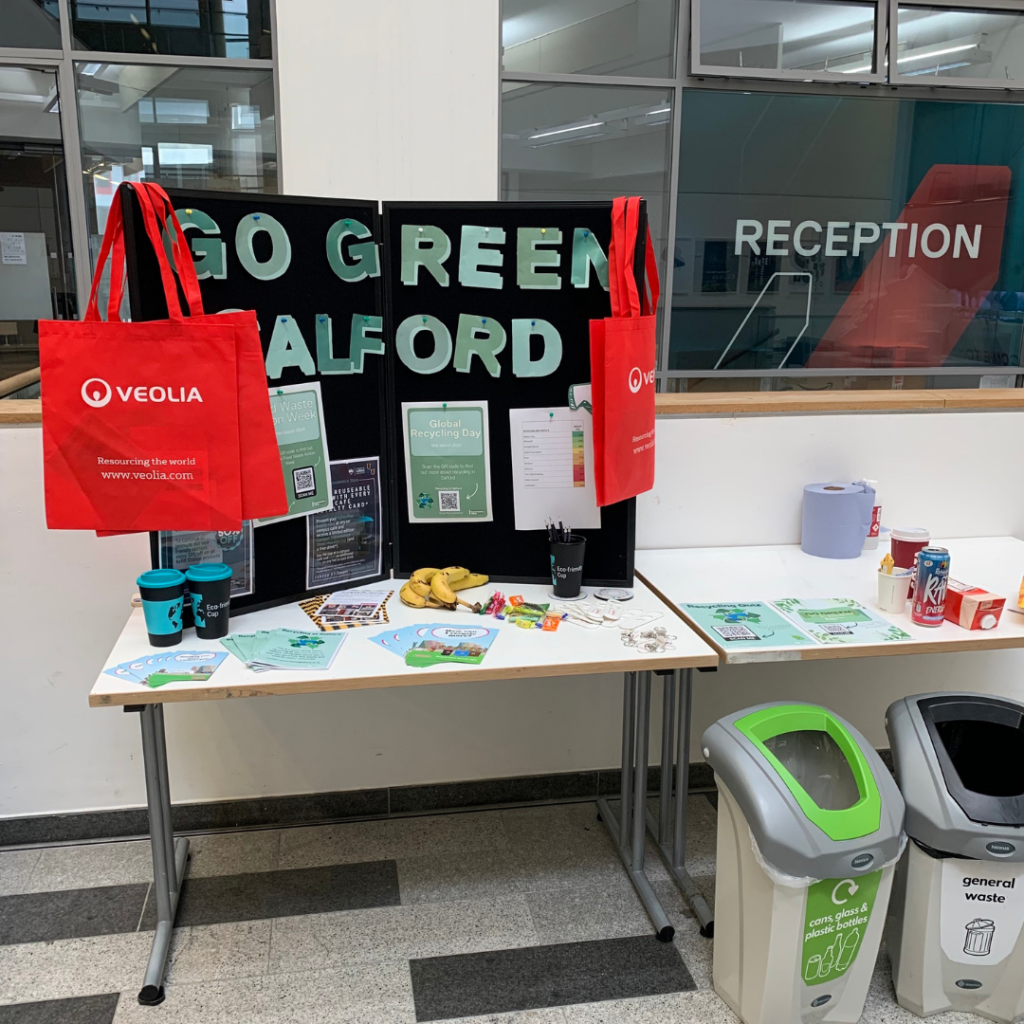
{"points": [[290, 649], [450, 645], [839, 620], [792, 622], [173, 667], [743, 624]]}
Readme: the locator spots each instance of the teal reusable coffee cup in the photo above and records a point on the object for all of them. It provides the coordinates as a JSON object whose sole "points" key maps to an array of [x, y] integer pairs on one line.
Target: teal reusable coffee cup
{"points": [[209, 586], [163, 598]]}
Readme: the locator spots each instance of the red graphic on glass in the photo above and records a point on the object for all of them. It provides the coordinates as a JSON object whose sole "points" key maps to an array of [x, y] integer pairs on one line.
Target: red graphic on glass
{"points": [[933, 268]]}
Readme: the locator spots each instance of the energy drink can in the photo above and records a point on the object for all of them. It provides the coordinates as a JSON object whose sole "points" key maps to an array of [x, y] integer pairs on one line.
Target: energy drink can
{"points": [[929, 604]]}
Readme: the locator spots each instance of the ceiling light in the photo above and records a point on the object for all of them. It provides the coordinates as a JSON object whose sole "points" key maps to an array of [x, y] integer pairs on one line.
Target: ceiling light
{"points": [[90, 69], [936, 53], [662, 110], [562, 131]]}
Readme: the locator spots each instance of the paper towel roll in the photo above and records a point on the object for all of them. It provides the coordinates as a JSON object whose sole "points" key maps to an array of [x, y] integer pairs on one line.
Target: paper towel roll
{"points": [[836, 519]]}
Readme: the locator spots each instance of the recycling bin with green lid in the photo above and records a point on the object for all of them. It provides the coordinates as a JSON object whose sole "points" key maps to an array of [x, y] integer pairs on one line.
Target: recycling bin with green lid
{"points": [[810, 825], [956, 917]]}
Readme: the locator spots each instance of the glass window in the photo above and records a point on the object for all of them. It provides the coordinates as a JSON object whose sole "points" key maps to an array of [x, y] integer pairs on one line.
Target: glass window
{"points": [[194, 127], [606, 37], [944, 42], [36, 266], [843, 233], [580, 142], [34, 23], [808, 36], [200, 28]]}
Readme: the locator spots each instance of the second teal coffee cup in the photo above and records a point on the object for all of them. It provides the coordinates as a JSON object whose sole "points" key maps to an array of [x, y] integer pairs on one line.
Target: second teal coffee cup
{"points": [[209, 586]]}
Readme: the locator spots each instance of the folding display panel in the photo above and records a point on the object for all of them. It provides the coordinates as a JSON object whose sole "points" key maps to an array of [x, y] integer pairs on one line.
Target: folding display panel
{"points": [[491, 303], [310, 269]]}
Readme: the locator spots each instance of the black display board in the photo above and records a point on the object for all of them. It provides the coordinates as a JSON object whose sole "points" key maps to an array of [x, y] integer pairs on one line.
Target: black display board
{"points": [[496, 547], [355, 404]]}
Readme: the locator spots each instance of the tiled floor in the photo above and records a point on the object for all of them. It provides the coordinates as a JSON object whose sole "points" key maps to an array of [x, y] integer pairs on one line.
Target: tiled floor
{"points": [[521, 916]]}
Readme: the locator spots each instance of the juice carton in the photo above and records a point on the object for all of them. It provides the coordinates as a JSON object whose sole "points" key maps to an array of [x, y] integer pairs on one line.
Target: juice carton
{"points": [[972, 607]]}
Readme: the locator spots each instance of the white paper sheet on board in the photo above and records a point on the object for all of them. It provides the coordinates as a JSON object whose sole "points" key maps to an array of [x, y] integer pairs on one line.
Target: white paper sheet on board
{"points": [[553, 468]]}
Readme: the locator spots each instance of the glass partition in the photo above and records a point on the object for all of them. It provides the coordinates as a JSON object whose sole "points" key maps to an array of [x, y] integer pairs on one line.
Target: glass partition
{"points": [[594, 37], [195, 127], [840, 233], [793, 38], [201, 28], [579, 142], [30, 23], [36, 262]]}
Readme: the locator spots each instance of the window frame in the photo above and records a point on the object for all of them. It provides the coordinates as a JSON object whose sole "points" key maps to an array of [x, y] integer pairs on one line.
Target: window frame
{"points": [[784, 74], [63, 61], [937, 81]]}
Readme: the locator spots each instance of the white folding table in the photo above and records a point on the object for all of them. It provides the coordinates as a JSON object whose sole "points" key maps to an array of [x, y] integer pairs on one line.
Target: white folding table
{"points": [[704, 575], [360, 664]]}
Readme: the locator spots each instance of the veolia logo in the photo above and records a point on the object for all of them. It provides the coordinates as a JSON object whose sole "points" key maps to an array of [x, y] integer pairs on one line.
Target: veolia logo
{"points": [[1000, 849], [96, 392], [637, 379]]}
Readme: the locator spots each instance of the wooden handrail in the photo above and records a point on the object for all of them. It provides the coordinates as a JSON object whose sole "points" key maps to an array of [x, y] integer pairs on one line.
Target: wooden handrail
{"points": [[733, 403], [783, 402], [8, 385]]}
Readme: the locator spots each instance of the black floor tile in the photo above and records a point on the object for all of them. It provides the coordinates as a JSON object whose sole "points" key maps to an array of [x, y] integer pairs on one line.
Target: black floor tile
{"points": [[536, 976], [264, 894], [71, 914], [567, 786], [82, 1010]]}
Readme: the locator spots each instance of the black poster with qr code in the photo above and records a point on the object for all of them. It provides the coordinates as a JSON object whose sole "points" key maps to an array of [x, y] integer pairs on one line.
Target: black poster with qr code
{"points": [[488, 309], [310, 268]]}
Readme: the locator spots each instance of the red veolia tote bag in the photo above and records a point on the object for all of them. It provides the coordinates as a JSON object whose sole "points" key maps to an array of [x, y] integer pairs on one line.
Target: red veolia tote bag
{"points": [[140, 420], [623, 351]]}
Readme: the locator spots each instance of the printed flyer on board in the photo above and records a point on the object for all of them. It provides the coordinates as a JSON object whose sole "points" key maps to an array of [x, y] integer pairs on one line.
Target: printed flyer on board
{"points": [[344, 544], [181, 548], [302, 440], [447, 461]]}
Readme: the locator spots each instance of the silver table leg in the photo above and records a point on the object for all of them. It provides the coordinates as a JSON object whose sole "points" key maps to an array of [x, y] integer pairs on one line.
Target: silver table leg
{"points": [[627, 828], [674, 853], [169, 855]]}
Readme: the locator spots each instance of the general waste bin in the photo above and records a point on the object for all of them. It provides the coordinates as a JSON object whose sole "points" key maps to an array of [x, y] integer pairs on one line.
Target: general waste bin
{"points": [[958, 900], [809, 828]]}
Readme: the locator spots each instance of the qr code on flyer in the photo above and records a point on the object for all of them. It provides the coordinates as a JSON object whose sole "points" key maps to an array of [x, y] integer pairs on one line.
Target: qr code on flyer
{"points": [[448, 501], [305, 482], [735, 632]]}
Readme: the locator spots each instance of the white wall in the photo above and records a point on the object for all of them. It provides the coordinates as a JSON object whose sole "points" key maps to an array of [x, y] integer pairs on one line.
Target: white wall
{"points": [[392, 99], [57, 754]]}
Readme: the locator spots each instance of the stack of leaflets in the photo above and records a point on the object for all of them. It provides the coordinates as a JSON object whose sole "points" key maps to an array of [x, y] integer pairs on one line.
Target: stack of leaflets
{"points": [[792, 622], [284, 649], [173, 667], [353, 608], [438, 643]]}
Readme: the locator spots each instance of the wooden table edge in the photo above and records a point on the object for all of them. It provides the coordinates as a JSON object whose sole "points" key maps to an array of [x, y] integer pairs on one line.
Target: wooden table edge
{"points": [[426, 678]]}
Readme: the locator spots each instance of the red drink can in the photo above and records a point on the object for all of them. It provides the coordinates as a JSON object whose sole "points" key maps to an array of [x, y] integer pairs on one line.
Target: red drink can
{"points": [[928, 607]]}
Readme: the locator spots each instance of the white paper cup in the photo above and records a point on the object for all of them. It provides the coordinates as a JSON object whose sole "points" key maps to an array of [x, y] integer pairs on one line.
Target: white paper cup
{"points": [[894, 590]]}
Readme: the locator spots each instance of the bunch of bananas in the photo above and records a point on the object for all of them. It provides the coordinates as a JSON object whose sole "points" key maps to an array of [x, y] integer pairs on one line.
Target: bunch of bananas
{"points": [[436, 588]]}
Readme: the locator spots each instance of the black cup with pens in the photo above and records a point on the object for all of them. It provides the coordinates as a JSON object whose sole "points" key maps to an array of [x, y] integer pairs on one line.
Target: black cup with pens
{"points": [[566, 560]]}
